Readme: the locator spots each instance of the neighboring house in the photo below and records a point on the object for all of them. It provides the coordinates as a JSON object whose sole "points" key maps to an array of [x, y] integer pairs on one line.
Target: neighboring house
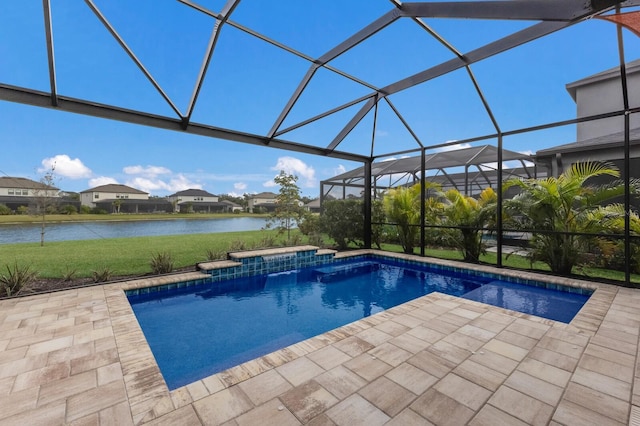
{"points": [[197, 200], [17, 191], [117, 198], [232, 207], [602, 139], [313, 206], [264, 201]]}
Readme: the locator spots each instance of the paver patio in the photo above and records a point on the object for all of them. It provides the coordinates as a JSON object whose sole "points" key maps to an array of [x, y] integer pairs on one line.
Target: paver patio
{"points": [[79, 357]]}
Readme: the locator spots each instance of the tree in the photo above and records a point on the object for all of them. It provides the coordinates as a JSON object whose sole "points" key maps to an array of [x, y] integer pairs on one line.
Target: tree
{"points": [[557, 210], [343, 221], [470, 216], [45, 198], [289, 210], [402, 206]]}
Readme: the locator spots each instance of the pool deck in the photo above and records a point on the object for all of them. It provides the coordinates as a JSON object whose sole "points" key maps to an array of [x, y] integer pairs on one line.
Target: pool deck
{"points": [[79, 357]]}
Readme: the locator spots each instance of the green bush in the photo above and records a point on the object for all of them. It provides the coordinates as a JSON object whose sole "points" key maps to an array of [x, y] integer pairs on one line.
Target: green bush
{"points": [[15, 279], [22, 210], [68, 209], [4, 210], [343, 221], [213, 254], [69, 274], [161, 263], [85, 209], [102, 274]]}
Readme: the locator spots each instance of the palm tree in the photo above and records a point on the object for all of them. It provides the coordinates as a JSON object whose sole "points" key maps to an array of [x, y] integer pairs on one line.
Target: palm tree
{"points": [[470, 216], [557, 210], [402, 206]]}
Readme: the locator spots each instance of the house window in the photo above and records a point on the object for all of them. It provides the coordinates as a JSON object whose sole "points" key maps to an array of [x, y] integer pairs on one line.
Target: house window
{"points": [[25, 192], [96, 195], [11, 192]]}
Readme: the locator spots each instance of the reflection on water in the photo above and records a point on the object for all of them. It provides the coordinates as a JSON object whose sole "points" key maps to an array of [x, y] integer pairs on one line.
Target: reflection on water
{"points": [[30, 233]]}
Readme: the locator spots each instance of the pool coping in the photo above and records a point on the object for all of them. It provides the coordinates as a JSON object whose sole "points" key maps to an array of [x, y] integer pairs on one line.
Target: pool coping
{"points": [[140, 368], [91, 334]]}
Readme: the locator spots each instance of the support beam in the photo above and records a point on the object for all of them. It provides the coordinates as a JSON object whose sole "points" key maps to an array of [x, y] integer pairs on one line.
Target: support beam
{"points": [[78, 106], [227, 10], [353, 123], [530, 10], [132, 55], [48, 32], [377, 25]]}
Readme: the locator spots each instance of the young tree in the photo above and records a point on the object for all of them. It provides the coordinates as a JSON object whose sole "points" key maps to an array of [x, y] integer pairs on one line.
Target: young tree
{"points": [[289, 209], [402, 206], [45, 198], [470, 215]]}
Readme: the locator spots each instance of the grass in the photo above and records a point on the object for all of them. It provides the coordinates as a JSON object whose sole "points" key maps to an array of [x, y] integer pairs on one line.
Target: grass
{"points": [[132, 256], [124, 256], [520, 262]]}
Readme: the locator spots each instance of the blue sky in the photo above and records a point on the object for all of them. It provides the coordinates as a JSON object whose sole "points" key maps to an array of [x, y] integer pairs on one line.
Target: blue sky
{"points": [[250, 81]]}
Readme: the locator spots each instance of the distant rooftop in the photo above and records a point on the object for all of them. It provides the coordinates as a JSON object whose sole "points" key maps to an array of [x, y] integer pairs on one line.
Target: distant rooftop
{"points": [[115, 187], [23, 183], [192, 193]]}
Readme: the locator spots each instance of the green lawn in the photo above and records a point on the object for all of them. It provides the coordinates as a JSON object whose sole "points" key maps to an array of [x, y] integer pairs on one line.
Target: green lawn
{"points": [[126, 256], [519, 262], [131, 256]]}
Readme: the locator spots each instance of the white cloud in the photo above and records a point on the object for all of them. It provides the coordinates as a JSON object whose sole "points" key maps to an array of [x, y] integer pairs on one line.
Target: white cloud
{"points": [[240, 186], [101, 180], [269, 184], [339, 170], [177, 183], [452, 147], [291, 165], [63, 165], [148, 171]]}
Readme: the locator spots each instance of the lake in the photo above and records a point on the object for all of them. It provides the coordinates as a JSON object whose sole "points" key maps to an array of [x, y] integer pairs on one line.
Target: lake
{"points": [[30, 233]]}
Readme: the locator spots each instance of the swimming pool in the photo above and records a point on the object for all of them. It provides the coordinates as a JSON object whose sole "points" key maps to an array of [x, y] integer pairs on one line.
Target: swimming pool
{"points": [[197, 331]]}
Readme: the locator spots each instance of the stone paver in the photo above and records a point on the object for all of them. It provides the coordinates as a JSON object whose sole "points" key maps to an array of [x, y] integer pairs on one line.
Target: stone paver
{"points": [[79, 357]]}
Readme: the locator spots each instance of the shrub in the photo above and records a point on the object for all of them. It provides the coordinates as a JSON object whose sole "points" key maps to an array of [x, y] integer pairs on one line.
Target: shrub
{"points": [[268, 240], [85, 210], [4, 210], [97, 210], [343, 221], [22, 210], [69, 274], [68, 209], [238, 245], [102, 275], [161, 263], [213, 254], [15, 279]]}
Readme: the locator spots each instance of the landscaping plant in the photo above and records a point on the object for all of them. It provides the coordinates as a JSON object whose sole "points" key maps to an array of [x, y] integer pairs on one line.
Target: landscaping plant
{"points": [[161, 263], [469, 216], [556, 210], [15, 279]]}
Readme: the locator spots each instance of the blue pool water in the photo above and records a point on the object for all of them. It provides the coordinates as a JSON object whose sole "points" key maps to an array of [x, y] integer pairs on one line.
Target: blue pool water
{"points": [[197, 331]]}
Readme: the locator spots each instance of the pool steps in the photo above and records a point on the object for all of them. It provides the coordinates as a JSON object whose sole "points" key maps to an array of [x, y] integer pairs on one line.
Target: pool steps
{"points": [[266, 261]]}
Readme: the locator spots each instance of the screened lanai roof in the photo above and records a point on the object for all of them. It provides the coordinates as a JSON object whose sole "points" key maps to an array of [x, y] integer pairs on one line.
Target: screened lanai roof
{"points": [[330, 78], [466, 157]]}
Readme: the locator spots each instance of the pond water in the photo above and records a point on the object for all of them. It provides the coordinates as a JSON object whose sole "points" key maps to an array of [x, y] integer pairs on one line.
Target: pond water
{"points": [[30, 233]]}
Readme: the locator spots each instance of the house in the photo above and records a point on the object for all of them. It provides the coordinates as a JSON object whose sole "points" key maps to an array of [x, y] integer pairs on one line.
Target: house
{"points": [[197, 200], [313, 206], [18, 192], [262, 202], [232, 207], [602, 139], [117, 198]]}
